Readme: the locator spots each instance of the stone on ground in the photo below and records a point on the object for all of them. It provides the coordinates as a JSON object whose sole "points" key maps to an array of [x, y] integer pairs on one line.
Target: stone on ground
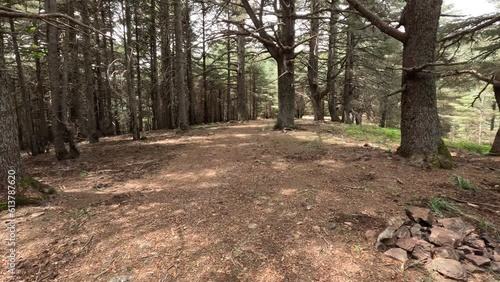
{"points": [[397, 254], [448, 267]]}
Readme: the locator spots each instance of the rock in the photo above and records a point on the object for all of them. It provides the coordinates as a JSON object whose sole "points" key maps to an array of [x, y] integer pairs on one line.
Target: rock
{"points": [[445, 237], [416, 231], [331, 225], [468, 250], [422, 251], [478, 260], [396, 221], [449, 268], [371, 236], [403, 232], [316, 228], [495, 267], [490, 241], [456, 224], [252, 226], [447, 253], [473, 269], [420, 215], [407, 244], [496, 256], [384, 239], [397, 254], [477, 244]]}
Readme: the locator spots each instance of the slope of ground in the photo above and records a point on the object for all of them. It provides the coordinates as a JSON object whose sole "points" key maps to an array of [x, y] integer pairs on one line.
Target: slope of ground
{"points": [[233, 203]]}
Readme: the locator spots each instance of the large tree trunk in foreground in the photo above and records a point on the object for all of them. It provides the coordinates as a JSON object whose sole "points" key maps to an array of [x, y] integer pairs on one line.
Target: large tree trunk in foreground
{"points": [[420, 130], [10, 158]]}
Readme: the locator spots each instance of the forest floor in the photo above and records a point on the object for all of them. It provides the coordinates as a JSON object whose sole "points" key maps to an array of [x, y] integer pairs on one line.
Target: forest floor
{"points": [[234, 202]]}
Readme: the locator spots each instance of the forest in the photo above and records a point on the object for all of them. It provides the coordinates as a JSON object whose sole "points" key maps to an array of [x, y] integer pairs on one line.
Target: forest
{"points": [[249, 140]]}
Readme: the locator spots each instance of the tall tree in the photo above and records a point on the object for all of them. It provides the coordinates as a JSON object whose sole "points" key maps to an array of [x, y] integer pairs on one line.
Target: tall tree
{"points": [[93, 136], [331, 83], [132, 99], [9, 147], [25, 95], [55, 86], [179, 66], [348, 94], [420, 129], [281, 47], [313, 66]]}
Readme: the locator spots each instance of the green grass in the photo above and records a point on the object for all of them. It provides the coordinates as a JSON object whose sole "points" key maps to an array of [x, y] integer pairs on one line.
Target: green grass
{"points": [[469, 147], [374, 134], [384, 136], [438, 205], [465, 184]]}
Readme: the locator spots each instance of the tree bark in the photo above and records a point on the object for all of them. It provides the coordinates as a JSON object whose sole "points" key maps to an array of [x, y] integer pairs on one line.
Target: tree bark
{"points": [[312, 68], [495, 148], [180, 63], [132, 99], [40, 127], [420, 130], [155, 98], [347, 97], [10, 157], [32, 140], [241, 85], [55, 87], [189, 64], [93, 136], [331, 83]]}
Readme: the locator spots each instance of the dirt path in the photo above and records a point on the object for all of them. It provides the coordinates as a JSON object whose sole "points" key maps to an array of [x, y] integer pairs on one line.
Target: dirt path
{"points": [[227, 203]]}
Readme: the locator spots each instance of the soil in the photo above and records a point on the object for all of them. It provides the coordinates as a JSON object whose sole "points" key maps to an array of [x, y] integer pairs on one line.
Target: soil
{"points": [[234, 202]]}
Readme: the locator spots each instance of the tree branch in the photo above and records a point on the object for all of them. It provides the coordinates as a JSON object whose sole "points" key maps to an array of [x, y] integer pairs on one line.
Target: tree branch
{"points": [[377, 21], [471, 30]]}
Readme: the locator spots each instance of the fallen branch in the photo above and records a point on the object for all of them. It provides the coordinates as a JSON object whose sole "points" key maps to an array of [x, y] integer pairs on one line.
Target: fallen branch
{"points": [[477, 204]]}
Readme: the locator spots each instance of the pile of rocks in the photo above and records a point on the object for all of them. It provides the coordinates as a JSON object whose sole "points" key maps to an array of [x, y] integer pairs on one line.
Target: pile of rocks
{"points": [[448, 246]]}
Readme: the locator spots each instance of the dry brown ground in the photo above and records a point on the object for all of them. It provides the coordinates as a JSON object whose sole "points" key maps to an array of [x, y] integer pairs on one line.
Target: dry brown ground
{"points": [[231, 203]]}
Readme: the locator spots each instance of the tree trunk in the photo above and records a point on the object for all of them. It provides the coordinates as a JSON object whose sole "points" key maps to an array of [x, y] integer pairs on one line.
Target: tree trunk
{"points": [[241, 91], [138, 52], [180, 62], [55, 87], [10, 158], [347, 115], [286, 68], [312, 67], [420, 130], [132, 99], [156, 102], [93, 136], [33, 143], [189, 64], [40, 127], [495, 148], [331, 83], [204, 65]]}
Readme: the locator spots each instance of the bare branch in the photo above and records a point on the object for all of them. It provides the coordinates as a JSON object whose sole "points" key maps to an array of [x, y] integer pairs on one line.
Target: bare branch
{"points": [[377, 21], [471, 30]]}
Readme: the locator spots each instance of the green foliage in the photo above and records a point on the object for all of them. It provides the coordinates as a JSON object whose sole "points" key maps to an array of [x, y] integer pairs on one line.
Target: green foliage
{"points": [[470, 147], [464, 183], [438, 205]]}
